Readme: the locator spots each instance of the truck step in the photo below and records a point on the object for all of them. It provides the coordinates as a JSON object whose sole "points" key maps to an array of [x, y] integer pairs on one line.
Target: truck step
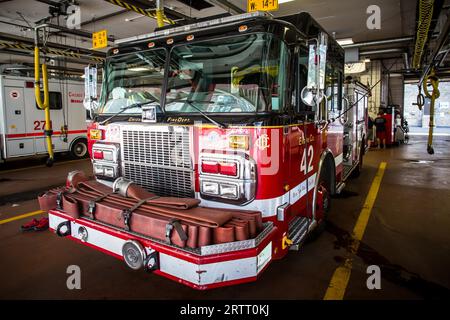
{"points": [[298, 229], [348, 169]]}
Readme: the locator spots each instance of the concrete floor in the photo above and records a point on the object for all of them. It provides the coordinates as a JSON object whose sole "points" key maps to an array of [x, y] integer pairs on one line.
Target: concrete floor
{"points": [[407, 236]]}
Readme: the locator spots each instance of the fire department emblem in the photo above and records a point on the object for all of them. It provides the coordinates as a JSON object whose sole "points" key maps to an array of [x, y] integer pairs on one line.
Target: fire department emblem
{"points": [[262, 142]]}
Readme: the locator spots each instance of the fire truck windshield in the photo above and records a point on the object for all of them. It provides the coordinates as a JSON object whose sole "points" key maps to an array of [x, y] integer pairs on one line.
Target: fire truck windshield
{"points": [[133, 79], [245, 73]]}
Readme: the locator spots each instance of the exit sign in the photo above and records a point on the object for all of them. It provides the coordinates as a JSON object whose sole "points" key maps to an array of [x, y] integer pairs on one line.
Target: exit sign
{"points": [[100, 39], [262, 5]]}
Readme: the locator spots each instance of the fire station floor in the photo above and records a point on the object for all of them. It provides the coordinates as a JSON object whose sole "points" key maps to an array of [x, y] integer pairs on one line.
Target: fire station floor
{"points": [[406, 236]]}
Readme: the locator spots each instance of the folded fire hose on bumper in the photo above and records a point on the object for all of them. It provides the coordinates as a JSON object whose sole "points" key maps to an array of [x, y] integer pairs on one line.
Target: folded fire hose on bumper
{"points": [[178, 221]]}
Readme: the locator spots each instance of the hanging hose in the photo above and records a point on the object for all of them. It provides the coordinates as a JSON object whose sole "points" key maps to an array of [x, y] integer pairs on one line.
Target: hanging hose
{"points": [[423, 26], [433, 80], [44, 105]]}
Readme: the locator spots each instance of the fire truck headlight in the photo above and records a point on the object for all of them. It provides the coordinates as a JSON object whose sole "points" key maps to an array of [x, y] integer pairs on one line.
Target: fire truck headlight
{"points": [[229, 191], [106, 160], [109, 172], [98, 170], [209, 187], [229, 178], [105, 171]]}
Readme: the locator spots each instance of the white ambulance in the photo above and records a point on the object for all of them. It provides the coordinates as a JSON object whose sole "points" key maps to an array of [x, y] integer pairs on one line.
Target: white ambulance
{"points": [[22, 122]]}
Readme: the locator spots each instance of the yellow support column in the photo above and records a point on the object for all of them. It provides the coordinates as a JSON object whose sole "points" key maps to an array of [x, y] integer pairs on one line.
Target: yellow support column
{"points": [[160, 13]]}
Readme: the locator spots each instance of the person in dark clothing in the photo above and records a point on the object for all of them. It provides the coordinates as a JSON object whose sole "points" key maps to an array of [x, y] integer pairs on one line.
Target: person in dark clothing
{"points": [[370, 132], [380, 124]]}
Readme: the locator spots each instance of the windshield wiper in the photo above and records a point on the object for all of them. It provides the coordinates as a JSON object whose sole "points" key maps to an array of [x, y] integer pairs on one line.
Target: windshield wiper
{"points": [[191, 104], [123, 109]]}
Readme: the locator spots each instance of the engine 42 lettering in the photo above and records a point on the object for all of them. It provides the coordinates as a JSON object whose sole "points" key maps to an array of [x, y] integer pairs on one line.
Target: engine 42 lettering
{"points": [[306, 164]]}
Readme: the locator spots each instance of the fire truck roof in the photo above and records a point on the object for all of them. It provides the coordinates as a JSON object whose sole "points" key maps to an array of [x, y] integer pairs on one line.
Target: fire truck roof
{"points": [[195, 26], [302, 21]]}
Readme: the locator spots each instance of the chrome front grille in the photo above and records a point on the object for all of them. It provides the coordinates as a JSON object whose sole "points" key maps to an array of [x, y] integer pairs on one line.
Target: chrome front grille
{"points": [[158, 159]]}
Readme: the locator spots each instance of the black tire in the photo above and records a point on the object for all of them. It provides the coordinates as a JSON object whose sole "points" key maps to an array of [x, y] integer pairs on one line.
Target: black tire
{"points": [[324, 182], [79, 149]]}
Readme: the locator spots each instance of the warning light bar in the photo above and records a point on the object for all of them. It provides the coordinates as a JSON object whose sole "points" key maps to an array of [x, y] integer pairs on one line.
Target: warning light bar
{"points": [[195, 26]]}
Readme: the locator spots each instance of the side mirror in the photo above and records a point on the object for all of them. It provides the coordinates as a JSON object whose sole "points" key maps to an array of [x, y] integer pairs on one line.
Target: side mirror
{"points": [[90, 88], [311, 97], [313, 94]]}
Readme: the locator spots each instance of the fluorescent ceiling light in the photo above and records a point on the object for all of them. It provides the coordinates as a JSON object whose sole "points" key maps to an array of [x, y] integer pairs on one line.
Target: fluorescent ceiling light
{"points": [[367, 60], [344, 42], [284, 1], [139, 69]]}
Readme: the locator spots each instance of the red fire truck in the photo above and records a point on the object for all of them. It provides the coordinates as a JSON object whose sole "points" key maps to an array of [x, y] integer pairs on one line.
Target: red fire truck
{"points": [[237, 112]]}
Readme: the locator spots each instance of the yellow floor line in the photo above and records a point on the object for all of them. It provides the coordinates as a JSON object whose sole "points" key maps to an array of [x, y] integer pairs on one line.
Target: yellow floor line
{"points": [[339, 281], [22, 216], [42, 166]]}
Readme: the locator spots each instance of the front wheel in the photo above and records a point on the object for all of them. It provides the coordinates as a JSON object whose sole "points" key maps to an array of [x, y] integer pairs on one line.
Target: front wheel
{"points": [[79, 149]]}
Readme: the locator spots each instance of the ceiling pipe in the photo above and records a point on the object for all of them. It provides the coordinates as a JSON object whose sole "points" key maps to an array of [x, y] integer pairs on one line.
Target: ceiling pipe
{"points": [[75, 32], [16, 25], [51, 51], [101, 18], [51, 45], [381, 51], [82, 60], [61, 29], [378, 42], [26, 66], [406, 60]]}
